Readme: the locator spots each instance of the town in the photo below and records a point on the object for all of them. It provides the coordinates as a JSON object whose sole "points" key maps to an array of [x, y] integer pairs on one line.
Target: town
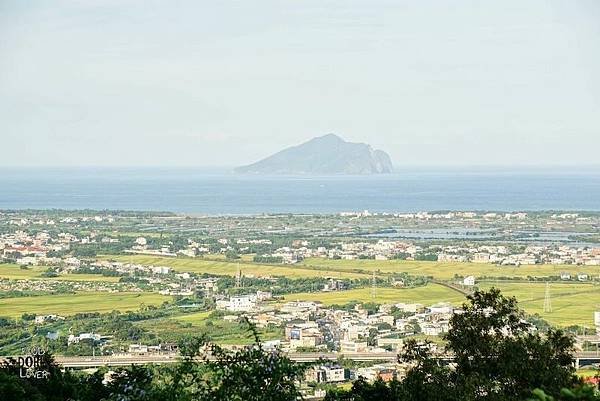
{"points": [[352, 284]]}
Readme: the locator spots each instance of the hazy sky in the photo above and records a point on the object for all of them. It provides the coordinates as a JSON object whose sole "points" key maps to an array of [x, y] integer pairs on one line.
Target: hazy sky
{"points": [[200, 83]]}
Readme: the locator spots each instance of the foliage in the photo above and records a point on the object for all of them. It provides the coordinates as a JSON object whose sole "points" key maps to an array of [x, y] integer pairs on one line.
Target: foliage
{"points": [[578, 393], [497, 356], [206, 372]]}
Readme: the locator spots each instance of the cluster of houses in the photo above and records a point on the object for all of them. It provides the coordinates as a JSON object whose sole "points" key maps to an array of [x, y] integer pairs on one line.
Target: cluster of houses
{"points": [[34, 248], [531, 255], [334, 373], [494, 254], [463, 215], [310, 325]]}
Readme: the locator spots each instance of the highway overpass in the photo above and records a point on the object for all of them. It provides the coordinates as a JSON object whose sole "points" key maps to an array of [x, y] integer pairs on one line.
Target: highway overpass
{"points": [[82, 362]]}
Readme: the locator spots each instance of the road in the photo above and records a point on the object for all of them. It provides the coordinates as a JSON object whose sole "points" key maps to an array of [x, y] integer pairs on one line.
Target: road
{"points": [[82, 362]]}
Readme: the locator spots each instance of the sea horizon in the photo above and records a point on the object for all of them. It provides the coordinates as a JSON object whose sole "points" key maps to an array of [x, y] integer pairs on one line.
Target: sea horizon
{"points": [[218, 191]]}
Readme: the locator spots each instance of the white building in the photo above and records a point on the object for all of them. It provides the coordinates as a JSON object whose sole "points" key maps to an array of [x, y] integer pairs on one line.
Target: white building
{"points": [[334, 374], [242, 303], [347, 346], [469, 281]]}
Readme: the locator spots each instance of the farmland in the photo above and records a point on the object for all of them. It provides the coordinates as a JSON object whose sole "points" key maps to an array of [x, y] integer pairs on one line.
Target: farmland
{"points": [[215, 328], [572, 304], [195, 318], [447, 270], [320, 267], [426, 295], [201, 266], [77, 303], [15, 272]]}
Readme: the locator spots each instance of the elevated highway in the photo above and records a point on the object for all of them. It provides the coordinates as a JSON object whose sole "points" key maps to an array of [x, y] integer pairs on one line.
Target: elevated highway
{"points": [[83, 362]]}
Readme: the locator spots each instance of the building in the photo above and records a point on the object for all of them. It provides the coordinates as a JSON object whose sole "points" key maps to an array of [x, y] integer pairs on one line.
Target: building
{"points": [[326, 374], [40, 319], [242, 303], [409, 308], [391, 343], [305, 335], [138, 349], [582, 277], [469, 281], [334, 373], [348, 347]]}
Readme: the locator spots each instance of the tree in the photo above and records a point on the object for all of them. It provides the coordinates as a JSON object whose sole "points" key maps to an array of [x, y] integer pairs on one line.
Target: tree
{"points": [[578, 393], [206, 372], [499, 356], [496, 356]]}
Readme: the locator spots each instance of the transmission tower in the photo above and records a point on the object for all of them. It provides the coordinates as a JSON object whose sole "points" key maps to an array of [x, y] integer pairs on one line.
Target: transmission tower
{"points": [[238, 277], [373, 286], [547, 300]]}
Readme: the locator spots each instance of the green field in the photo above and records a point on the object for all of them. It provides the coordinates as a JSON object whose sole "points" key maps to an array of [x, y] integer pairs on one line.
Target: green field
{"points": [[195, 318], [572, 304], [447, 270], [14, 272], [82, 302], [218, 330], [230, 268], [425, 295]]}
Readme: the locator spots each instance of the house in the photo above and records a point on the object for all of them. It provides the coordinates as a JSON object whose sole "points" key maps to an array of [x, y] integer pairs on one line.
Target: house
{"points": [[40, 319], [409, 308], [347, 346], [326, 374], [93, 337], [263, 295], [334, 285], [240, 303], [305, 334], [393, 343], [138, 349], [334, 373], [481, 257], [430, 329], [52, 335], [385, 372], [469, 281], [28, 261], [386, 375]]}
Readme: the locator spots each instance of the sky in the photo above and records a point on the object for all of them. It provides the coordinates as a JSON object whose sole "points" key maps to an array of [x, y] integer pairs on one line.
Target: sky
{"points": [[225, 83]]}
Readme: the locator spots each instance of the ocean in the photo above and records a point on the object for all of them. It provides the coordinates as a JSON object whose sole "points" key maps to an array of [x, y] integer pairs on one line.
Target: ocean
{"points": [[213, 192]]}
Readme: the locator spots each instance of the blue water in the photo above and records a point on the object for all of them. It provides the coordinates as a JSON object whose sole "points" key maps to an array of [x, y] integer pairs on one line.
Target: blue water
{"points": [[201, 192]]}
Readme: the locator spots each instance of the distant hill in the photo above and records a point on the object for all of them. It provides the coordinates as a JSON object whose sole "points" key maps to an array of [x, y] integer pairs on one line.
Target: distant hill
{"points": [[327, 154]]}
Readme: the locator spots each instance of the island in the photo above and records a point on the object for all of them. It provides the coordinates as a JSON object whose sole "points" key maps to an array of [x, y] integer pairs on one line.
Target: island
{"points": [[328, 154]]}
